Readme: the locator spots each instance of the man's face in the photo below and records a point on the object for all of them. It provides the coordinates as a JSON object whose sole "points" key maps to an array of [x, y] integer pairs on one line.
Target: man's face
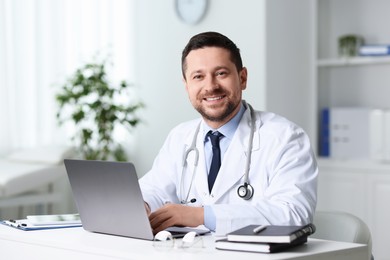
{"points": [[213, 84]]}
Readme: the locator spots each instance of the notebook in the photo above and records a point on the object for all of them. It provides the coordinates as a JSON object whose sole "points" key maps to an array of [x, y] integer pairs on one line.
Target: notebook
{"points": [[109, 199]]}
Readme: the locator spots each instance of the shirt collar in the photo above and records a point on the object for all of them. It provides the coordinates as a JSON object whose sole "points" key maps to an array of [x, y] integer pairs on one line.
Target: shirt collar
{"points": [[229, 128]]}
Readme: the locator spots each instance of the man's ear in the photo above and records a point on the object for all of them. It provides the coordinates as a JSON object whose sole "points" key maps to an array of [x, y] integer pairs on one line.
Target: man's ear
{"points": [[185, 83], [243, 78]]}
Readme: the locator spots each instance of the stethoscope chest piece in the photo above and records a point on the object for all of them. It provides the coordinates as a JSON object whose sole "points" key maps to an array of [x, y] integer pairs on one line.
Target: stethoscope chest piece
{"points": [[245, 191]]}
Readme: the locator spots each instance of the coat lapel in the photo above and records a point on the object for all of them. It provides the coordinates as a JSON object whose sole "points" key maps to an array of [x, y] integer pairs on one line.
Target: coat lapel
{"points": [[200, 185], [234, 162]]}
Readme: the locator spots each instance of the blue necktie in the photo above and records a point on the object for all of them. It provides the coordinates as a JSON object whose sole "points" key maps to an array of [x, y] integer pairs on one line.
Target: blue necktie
{"points": [[216, 160]]}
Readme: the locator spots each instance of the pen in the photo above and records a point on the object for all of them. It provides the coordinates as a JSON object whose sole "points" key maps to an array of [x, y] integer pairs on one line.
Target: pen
{"points": [[259, 228]]}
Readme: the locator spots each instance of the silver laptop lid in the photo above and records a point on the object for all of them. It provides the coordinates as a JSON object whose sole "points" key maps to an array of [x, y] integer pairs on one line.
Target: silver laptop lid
{"points": [[108, 198]]}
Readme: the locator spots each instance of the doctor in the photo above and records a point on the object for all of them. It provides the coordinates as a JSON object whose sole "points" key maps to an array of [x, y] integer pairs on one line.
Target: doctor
{"points": [[268, 172]]}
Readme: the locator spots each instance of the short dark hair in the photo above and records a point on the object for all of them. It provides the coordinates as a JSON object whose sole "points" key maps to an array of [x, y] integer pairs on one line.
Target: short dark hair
{"points": [[211, 39]]}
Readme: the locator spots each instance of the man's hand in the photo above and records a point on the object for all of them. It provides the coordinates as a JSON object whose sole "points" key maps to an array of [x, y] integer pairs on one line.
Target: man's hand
{"points": [[147, 208], [176, 215]]}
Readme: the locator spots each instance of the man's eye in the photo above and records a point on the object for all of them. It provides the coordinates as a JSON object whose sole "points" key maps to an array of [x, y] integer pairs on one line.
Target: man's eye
{"points": [[197, 77], [221, 73]]}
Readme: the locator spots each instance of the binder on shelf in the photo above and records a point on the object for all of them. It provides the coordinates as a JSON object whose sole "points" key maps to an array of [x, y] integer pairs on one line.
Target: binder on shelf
{"points": [[386, 135], [349, 132], [324, 133], [377, 134], [355, 133], [374, 50]]}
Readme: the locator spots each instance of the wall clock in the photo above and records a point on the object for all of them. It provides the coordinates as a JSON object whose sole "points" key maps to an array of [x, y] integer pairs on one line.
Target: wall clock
{"points": [[191, 11]]}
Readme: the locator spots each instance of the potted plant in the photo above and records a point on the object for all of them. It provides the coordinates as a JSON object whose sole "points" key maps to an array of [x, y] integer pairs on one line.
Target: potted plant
{"points": [[349, 45], [97, 108]]}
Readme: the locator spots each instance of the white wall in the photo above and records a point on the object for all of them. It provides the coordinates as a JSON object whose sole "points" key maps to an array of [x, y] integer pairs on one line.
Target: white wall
{"points": [[290, 53], [161, 37]]}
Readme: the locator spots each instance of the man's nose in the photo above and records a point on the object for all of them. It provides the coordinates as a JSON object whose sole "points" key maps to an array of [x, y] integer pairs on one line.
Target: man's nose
{"points": [[212, 83]]}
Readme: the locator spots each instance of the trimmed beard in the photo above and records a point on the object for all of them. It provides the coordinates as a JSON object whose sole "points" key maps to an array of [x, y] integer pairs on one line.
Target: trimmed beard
{"points": [[228, 111]]}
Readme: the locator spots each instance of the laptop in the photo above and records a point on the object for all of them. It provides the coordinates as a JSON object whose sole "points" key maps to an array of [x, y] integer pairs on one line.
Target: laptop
{"points": [[109, 199]]}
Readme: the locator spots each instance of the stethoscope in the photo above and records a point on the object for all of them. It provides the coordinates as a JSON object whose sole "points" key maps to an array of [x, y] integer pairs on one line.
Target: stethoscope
{"points": [[244, 191]]}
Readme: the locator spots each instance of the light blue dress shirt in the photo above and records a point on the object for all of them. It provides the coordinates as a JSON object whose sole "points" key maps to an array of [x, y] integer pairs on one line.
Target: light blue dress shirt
{"points": [[228, 131]]}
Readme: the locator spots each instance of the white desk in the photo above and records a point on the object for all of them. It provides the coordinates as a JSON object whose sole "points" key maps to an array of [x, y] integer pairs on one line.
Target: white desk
{"points": [[76, 243]]}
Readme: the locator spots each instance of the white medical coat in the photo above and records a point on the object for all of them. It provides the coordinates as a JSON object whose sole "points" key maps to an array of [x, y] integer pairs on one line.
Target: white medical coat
{"points": [[283, 173]]}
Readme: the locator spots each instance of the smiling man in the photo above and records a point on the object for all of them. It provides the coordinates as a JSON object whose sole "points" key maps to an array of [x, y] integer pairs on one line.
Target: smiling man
{"points": [[234, 166]]}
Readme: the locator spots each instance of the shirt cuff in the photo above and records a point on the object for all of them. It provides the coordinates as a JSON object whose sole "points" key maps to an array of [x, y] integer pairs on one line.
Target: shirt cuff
{"points": [[209, 218]]}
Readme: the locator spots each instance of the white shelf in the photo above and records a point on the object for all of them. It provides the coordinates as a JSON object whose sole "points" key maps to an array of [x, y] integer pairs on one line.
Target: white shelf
{"points": [[353, 61]]}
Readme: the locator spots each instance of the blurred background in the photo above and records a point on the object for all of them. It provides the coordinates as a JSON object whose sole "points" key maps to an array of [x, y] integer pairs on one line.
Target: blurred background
{"points": [[291, 50]]}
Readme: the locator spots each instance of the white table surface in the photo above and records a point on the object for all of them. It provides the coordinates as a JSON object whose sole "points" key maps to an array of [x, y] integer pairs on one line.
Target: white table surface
{"points": [[76, 243]]}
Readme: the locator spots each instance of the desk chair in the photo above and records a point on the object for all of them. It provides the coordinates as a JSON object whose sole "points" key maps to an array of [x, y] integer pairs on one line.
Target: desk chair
{"points": [[342, 226], [27, 177]]}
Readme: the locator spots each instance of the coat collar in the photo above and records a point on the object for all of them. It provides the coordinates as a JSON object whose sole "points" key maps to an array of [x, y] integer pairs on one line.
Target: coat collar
{"points": [[233, 163]]}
